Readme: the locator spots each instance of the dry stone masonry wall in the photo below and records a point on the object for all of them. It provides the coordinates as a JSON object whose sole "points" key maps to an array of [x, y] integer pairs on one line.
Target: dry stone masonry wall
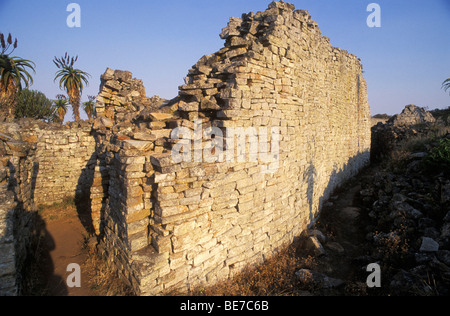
{"points": [[64, 154], [171, 225], [41, 164], [168, 224], [18, 172]]}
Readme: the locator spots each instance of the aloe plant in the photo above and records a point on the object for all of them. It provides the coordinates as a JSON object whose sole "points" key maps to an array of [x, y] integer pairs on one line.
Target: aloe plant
{"points": [[61, 107], [14, 73], [89, 107], [72, 80]]}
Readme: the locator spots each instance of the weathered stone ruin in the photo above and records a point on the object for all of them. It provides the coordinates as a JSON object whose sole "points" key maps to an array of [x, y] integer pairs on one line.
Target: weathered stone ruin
{"points": [[41, 164], [412, 115], [168, 225], [412, 121]]}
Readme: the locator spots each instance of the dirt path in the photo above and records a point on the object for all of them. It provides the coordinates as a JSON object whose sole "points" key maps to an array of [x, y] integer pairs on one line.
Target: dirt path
{"points": [[342, 221], [66, 237], [63, 240]]}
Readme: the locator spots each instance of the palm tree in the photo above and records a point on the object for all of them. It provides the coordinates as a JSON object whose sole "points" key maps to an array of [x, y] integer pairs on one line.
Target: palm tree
{"points": [[446, 85], [61, 107], [89, 106], [71, 80], [13, 71]]}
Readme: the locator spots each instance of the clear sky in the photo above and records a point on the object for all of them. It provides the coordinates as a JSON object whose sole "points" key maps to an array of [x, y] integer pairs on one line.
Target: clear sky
{"points": [[405, 60]]}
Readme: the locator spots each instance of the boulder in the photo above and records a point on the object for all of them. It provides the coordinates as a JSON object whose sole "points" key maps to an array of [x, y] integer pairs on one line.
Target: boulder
{"points": [[429, 245], [317, 233], [314, 246], [313, 277], [412, 115]]}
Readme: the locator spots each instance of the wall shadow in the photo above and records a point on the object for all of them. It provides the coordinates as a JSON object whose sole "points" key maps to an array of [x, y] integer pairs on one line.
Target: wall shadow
{"points": [[337, 179], [39, 269], [93, 185], [26, 229], [310, 176], [83, 195]]}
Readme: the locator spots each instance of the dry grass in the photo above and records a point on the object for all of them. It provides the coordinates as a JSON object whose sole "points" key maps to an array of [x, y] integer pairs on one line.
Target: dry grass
{"points": [[275, 277], [398, 158], [66, 209], [102, 279]]}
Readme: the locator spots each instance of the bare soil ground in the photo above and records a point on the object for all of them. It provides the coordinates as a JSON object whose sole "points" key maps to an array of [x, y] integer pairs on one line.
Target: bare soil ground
{"points": [[62, 242]]}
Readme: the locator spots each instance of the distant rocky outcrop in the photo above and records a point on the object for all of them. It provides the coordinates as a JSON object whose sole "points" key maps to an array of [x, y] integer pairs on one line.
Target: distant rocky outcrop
{"points": [[412, 121], [412, 115]]}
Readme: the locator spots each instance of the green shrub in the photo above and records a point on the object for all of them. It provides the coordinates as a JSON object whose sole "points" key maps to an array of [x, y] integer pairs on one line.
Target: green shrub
{"points": [[438, 160], [34, 104]]}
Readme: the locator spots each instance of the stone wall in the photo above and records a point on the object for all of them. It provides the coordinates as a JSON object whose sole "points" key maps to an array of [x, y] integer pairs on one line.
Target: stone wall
{"points": [[17, 210], [171, 225], [64, 155], [8, 275], [40, 164], [412, 115], [122, 191]]}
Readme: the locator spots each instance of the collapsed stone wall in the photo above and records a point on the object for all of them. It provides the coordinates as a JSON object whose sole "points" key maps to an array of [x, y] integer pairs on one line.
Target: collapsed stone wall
{"points": [[412, 115], [171, 225], [122, 190], [412, 122]]}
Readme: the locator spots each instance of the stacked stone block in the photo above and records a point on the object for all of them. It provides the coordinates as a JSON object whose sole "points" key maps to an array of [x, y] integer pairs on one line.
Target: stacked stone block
{"points": [[206, 221], [17, 209], [167, 225], [119, 94], [64, 157]]}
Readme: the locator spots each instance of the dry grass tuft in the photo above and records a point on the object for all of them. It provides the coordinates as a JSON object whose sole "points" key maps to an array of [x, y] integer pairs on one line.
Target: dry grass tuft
{"points": [[275, 277], [103, 280]]}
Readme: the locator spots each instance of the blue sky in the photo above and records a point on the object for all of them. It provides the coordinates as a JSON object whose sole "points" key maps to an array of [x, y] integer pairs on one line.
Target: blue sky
{"points": [[405, 61]]}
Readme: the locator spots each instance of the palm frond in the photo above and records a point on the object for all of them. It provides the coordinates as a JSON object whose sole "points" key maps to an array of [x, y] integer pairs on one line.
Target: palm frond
{"points": [[17, 69], [446, 85]]}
